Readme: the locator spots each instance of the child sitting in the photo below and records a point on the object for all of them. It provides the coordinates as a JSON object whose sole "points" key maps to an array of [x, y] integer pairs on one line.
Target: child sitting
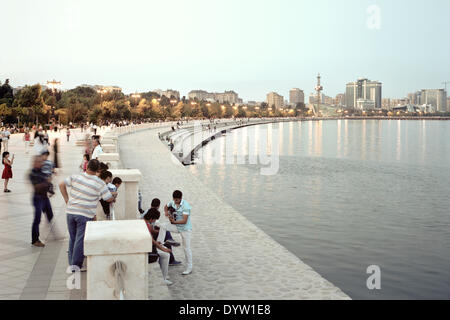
{"points": [[106, 176]]}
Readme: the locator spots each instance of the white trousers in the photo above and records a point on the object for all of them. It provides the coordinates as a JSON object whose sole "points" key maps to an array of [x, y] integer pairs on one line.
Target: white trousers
{"points": [[185, 237], [164, 262], [27, 146]]}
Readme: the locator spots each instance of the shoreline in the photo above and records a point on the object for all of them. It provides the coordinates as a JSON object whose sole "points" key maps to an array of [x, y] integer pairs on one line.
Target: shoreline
{"points": [[233, 258]]}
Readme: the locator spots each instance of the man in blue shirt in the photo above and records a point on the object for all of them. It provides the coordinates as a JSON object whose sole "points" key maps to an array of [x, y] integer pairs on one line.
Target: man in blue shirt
{"points": [[180, 222]]}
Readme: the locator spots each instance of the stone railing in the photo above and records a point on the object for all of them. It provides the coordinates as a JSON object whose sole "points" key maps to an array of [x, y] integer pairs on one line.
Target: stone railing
{"points": [[117, 249]]}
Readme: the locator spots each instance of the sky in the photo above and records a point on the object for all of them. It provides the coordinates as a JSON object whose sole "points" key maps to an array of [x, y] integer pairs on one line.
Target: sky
{"points": [[250, 46]]}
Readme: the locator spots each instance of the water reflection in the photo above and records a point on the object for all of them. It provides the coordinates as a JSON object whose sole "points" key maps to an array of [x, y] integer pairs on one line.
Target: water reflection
{"points": [[349, 194]]}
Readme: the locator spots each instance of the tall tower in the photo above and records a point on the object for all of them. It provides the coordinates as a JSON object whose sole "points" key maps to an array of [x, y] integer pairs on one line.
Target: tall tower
{"points": [[319, 89]]}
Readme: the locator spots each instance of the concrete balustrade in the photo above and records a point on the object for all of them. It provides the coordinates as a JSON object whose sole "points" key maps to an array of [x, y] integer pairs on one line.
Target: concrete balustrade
{"points": [[107, 242], [126, 206], [111, 159], [109, 148]]}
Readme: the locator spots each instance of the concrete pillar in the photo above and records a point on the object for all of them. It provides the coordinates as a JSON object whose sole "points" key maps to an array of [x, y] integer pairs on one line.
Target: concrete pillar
{"points": [[126, 205], [106, 242], [111, 159], [109, 148]]}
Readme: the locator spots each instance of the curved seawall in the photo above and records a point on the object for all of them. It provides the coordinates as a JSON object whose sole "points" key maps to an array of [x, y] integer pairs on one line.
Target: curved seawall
{"points": [[232, 258]]}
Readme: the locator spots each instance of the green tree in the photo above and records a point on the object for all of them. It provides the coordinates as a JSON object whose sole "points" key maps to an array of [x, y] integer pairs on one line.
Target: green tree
{"points": [[30, 99]]}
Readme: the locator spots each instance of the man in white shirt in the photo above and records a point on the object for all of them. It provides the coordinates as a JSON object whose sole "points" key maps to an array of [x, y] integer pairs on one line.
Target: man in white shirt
{"points": [[97, 149]]}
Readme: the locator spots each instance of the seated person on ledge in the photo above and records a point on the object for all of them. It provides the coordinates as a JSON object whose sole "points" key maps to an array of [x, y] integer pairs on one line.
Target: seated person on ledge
{"points": [[168, 240], [164, 253]]}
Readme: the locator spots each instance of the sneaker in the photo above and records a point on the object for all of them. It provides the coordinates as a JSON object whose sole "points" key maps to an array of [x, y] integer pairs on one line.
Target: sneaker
{"points": [[172, 243], [169, 283], [188, 271], [83, 269], [175, 263], [38, 244]]}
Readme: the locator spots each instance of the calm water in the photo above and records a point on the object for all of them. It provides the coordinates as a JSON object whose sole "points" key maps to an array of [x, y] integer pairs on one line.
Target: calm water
{"points": [[350, 194]]}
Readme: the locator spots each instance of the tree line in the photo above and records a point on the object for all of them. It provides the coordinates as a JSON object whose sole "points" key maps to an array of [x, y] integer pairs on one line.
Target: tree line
{"points": [[33, 104]]}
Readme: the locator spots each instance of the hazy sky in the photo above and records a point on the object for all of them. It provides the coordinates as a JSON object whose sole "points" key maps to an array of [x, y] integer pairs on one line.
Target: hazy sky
{"points": [[250, 46]]}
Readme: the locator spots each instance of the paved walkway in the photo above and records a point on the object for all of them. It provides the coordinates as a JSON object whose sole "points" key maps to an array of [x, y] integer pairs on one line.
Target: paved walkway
{"points": [[27, 272], [232, 258]]}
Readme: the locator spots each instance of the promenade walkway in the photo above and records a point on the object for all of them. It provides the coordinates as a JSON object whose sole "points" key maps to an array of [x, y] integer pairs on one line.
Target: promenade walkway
{"points": [[232, 258], [27, 272]]}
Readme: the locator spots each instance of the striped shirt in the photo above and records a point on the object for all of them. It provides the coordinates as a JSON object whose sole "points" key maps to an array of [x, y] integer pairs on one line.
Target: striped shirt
{"points": [[86, 190]]}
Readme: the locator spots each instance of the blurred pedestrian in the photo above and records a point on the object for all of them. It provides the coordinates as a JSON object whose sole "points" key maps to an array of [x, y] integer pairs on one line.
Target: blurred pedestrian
{"points": [[7, 171], [41, 202]]}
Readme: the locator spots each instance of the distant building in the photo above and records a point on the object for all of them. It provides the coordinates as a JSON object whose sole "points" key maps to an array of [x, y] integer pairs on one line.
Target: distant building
{"points": [[275, 100], [363, 89], [296, 96], [313, 98], [364, 105], [434, 97], [169, 93], [102, 88], [225, 97], [340, 99], [448, 104]]}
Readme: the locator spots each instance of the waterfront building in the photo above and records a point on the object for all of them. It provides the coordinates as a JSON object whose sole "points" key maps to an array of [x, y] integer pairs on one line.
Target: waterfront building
{"points": [[363, 89], [99, 88], [364, 104], [340, 99], [296, 96], [224, 97], [448, 104], [275, 100], [169, 93], [434, 97]]}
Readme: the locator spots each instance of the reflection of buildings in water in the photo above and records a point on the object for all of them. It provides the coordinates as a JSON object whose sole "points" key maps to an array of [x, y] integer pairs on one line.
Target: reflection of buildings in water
{"points": [[363, 140], [345, 138], [423, 140], [280, 137], [399, 140], [378, 149], [310, 138], [318, 138], [338, 144], [291, 139]]}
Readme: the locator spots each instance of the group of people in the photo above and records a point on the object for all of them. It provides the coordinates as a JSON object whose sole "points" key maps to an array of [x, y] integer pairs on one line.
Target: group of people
{"points": [[94, 189]]}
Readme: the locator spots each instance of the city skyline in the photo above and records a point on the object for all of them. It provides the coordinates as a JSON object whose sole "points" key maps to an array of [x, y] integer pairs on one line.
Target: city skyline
{"points": [[249, 51]]}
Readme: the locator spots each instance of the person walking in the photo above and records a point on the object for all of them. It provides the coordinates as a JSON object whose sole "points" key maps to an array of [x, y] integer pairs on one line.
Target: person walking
{"points": [[5, 139], [41, 202], [7, 171], [86, 189], [68, 134], [27, 138], [55, 153]]}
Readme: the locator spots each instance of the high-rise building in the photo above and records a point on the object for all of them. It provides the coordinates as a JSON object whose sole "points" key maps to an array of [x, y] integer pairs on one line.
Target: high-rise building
{"points": [[340, 99], [434, 97], [363, 89], [448, 104], [275, 100], [296, 96]]}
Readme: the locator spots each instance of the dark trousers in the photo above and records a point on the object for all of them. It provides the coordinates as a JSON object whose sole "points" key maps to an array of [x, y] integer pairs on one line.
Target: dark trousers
{"points": [[41, 204]]}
